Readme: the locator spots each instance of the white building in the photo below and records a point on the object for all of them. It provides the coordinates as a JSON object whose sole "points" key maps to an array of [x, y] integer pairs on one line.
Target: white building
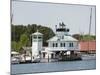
{"points": [[62, 42], [37, 46]]}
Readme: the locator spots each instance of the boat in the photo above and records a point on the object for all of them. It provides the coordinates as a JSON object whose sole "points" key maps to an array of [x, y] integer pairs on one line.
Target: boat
{"points": [[72, 57], [15, 60], [25, 59], [88, 56], [28, 58], [36, 59]]}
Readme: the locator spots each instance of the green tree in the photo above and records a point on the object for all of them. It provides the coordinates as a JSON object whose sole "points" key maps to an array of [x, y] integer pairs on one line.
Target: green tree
{"points": [[88, 37], [23, 40], [17, 32], [14, 45], [85, 37]]}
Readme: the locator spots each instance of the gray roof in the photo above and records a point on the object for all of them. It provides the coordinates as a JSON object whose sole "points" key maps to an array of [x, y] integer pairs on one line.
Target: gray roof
{"points": [[66, 38], [37, 33]]}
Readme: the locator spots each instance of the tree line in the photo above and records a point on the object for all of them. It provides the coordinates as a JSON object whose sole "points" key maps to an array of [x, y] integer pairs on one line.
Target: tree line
{"points": [[21, 35], [84, 37]]}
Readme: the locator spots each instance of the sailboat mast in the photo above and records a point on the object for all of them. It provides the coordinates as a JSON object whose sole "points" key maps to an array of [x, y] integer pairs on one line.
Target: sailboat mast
{"points": [[89, 30], [11, 18], [90, 22]]}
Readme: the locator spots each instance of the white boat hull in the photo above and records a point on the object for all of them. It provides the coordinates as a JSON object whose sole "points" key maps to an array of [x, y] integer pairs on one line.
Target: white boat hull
{"points": [[88, 57]]}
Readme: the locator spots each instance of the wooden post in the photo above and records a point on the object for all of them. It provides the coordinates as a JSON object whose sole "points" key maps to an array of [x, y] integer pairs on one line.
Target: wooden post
{"points": [[48, 57]]}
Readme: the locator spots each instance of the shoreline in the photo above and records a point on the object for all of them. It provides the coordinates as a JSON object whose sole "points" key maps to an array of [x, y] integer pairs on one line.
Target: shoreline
{"points": [[83, 57]]}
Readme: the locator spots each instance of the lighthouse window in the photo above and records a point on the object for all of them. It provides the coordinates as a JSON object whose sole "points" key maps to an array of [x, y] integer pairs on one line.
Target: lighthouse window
{"points": [[62, 37], [70, 44], [55, 45], [62, 44], [35, 37], [39, 37]]}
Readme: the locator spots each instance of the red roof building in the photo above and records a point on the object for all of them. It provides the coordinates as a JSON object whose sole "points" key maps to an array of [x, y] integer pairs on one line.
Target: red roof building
{"points": [[87, 46]]}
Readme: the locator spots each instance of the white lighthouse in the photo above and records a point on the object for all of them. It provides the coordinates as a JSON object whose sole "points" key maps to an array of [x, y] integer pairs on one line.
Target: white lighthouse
{"points": [[37, 39], [62, 46]]}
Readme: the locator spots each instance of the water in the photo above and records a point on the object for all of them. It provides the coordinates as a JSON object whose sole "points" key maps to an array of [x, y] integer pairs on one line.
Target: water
{"points": [[54, 66]]}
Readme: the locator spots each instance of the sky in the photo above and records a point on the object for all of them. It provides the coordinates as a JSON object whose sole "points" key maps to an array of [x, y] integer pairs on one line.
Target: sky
{"points": [[75, 17]]}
